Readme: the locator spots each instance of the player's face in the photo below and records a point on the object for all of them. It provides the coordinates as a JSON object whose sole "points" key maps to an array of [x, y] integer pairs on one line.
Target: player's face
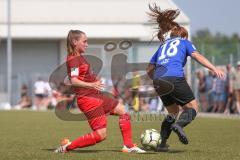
{"points": [[81, 43]]}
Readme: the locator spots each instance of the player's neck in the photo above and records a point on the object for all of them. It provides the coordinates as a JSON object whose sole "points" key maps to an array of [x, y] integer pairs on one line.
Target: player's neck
{"points": [[76, 53]]}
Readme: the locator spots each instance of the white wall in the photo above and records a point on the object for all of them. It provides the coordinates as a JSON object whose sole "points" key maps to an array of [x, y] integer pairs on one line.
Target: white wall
{"points": [[43, 19], [82, 11]]}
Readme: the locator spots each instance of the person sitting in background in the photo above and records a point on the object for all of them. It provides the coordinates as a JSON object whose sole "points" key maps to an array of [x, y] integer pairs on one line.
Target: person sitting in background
{"points": [[25, 101], [62, 97]]}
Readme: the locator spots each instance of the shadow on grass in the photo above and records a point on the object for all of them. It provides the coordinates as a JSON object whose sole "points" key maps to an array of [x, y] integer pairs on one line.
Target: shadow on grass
{"points": [[79, 151], [172, 151]]}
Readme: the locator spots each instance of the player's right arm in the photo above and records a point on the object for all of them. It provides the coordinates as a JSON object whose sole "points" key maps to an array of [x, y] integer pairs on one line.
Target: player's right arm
{"points": [[73, 65], [150, 70], [152, 65]]}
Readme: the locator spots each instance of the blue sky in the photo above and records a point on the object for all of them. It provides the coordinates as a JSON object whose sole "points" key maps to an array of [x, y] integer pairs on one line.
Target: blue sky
{"points": [[217, 15]]}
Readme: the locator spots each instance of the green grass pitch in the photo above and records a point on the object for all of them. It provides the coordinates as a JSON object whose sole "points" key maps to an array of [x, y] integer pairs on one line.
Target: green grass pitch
{"points": [[33, 135]]}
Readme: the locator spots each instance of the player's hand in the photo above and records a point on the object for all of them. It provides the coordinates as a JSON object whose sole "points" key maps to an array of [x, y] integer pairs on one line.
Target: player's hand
{"points": [[219, 73], [98, 85]]}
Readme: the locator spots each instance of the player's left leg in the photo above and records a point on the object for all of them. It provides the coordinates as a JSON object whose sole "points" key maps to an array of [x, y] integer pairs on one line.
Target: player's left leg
{"points": [[189, 113], [98, 126], [126, 129], [97, 120], [183, 96], [86, 140], [186, 117]]}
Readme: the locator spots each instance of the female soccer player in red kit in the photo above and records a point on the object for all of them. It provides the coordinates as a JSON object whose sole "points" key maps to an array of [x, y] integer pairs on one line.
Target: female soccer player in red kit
{"points": [[91, 101]]}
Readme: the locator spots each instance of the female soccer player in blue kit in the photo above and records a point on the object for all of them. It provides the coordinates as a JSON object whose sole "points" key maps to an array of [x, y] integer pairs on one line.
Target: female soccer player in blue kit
{"points": [[166, 70]]}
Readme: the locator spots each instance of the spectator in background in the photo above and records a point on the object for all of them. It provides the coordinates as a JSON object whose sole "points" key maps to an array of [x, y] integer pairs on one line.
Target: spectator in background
{"points": [[62, 100], [219, 95], [209, 80], [153, 103], [62, 97], [144, 105], [24, 90], [25, 101], [136, 83], [229, 89], [41, 91], [236, 86], [202, 90], [48, 95]]}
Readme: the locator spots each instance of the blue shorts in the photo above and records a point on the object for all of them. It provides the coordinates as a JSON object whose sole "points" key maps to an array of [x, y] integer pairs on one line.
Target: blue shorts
{"points": [[219, 97]]}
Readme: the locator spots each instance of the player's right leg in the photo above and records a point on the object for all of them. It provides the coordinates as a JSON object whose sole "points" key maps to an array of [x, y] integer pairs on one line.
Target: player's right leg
{"points": [[126, 129], [63, 146], [165, 131]]}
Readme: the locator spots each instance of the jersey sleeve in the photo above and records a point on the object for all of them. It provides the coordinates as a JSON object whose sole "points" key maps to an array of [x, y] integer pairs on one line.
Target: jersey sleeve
{"points": [[154, 58], [190, 48], [73, 67]]}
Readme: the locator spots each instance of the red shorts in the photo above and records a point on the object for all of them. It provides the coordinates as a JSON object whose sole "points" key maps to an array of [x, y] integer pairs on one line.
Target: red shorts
{"points": [[95, 108]]}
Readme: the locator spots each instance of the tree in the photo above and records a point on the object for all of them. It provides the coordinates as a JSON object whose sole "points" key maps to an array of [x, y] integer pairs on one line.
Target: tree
{"points": [[218, 45]]}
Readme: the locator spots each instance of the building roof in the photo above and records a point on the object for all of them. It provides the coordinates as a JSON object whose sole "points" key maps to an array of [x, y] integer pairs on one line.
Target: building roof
{"points": [[34, 18]]}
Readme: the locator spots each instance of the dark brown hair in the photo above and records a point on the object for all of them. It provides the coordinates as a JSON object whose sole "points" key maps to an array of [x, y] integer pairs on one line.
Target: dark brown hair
{"points": [[179, 31], [72, 35], [165, 20]]}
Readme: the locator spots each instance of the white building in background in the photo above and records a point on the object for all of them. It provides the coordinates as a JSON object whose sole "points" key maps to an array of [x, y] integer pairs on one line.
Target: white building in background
{"points": [[39, 29]]}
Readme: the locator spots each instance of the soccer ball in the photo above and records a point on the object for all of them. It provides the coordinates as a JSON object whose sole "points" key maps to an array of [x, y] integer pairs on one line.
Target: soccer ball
{"points": [[150, 138]]}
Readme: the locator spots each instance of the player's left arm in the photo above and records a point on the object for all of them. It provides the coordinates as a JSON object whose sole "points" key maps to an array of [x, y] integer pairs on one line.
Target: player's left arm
{"points": [[192, 51], [203, 61]]}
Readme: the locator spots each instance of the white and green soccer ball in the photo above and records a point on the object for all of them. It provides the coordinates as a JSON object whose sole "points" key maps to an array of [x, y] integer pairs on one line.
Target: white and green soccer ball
{"points": [[150, 138]]}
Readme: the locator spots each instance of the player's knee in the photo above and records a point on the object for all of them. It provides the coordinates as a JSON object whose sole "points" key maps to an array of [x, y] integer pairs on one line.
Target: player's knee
{"points": [[120, 109], [170, 118], [193, 104], [195, 107], [125, 117], [102, 133]]}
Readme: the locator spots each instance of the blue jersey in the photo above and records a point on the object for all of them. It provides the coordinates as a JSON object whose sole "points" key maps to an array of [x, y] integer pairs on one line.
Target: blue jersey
{"points": [[171, 57]]}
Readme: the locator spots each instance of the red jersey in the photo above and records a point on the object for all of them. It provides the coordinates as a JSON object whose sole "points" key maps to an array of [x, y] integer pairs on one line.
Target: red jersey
{"points": [[77, 66], [90, 101]]}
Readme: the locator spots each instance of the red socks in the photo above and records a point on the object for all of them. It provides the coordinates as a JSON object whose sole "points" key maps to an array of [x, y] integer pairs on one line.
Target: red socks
{"points": [[93, 138], [126, 129], [85, 140]]}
